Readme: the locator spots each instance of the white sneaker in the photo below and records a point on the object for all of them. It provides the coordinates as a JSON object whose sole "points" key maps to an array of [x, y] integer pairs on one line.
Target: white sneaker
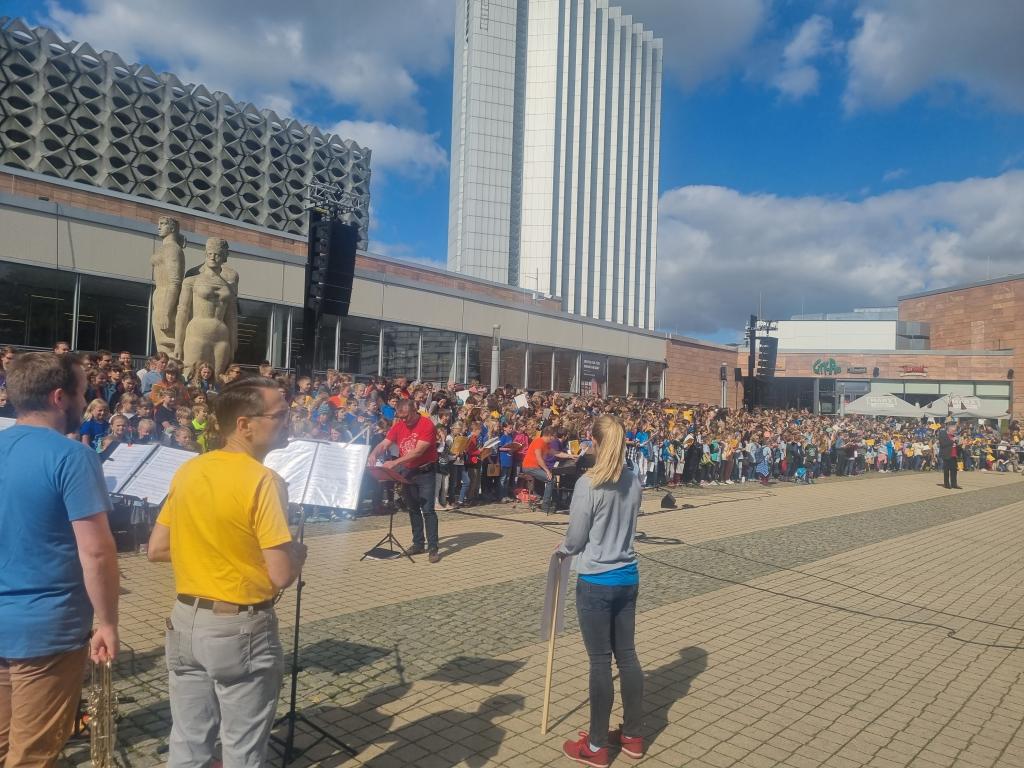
{"points": [[728, 482]]}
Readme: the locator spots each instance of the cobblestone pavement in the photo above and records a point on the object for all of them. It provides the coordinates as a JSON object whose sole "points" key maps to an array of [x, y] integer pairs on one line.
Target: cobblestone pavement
{"points": [[868, 621]]}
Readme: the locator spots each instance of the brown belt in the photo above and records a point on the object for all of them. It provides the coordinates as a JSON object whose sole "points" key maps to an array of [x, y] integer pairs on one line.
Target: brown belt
{"points": [[221, 607]]}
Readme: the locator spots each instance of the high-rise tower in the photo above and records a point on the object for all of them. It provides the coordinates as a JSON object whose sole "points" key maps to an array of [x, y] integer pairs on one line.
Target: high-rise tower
{"points": [[556, 125]]}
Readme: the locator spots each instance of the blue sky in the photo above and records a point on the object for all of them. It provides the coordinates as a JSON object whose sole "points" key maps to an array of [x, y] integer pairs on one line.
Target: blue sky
{"points": [[815, 155]]}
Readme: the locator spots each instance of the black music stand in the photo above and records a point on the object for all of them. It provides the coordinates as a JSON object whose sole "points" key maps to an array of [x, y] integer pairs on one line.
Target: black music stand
{"points": [[292, 716], [377, 551]]}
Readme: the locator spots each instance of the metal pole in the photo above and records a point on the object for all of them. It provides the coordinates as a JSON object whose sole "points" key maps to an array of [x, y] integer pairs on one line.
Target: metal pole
{"points": [[750, 384], [495, 356], [75, 300]]}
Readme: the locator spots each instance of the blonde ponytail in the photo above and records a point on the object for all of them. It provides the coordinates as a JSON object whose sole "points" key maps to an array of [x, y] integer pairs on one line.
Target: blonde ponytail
{"points": [[610, 439]]}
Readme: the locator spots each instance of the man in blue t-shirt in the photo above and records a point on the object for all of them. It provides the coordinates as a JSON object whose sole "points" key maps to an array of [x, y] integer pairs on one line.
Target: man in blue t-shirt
{"points": [[58, 563]]}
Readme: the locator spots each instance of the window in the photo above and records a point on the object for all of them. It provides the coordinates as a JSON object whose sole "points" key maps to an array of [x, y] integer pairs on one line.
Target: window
{"points": [[616, 377], [438, 363], [254, 331], [325, 342], [565, 371], [113, 314], [360, 343], [474, 360], [401, 350], [513, 362], [638, 378], [654, 377], [540, 368], [35, 305]]}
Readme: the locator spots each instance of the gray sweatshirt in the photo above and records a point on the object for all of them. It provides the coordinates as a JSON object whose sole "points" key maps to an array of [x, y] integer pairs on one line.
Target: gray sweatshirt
{"points": [[602, 523]]}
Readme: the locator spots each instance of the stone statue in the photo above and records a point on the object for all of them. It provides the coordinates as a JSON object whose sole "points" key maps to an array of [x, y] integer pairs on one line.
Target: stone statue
{"points": [[168, 267], [207, 325]]}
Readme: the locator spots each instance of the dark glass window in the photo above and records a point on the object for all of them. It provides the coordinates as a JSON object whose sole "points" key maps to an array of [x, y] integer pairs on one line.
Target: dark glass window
{"points": [[616, 376], [360, 342], [35, 305], [638, 378], [401, 350], [113, 314], [253, 331], [565, 371], [438, 356], [539, 377]]}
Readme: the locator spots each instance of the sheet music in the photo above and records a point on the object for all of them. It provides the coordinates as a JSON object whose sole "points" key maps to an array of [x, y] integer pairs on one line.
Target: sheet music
{"points": [[324, 474], [293, 463], [153, 480], [521, 401], [123, 463], [336, 476]]}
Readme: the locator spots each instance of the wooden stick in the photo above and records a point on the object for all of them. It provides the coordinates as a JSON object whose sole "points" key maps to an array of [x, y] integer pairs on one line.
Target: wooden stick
{"points": [[551, 657]]}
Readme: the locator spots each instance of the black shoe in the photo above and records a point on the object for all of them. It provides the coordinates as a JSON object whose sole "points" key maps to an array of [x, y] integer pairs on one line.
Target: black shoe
{"points": [[417, 550], [957, 488], [434, 557]]}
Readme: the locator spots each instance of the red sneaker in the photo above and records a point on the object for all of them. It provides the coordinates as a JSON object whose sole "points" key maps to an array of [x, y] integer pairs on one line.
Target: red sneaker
{"points": [[581, 753], [631, 746]]}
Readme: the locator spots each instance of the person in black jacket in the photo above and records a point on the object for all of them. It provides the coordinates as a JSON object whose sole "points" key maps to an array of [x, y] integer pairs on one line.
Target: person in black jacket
{"points": [[949, 450]]}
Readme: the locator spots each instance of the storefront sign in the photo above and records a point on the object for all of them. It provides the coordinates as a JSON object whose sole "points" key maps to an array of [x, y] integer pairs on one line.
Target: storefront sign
{"points": [[826, 367], [857, 369], [593, 373], [913, 371]]}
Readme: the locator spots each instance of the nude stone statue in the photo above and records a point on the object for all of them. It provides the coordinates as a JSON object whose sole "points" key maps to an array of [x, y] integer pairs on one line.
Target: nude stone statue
{"points": [[168, 268], [207, 324]]}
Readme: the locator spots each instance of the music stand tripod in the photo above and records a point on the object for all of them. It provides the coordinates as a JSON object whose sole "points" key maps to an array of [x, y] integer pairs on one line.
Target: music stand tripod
{"points": [[293, 716], [377, 551]]}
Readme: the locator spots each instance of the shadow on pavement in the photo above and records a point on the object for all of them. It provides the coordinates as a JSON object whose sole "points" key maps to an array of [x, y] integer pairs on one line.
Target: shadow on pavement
{"points": [[450, 545], [666, 685], [474, 670]]}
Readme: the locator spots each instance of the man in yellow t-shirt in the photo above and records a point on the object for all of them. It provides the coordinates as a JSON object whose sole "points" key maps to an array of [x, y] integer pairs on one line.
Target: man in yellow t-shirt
{"points": [[224, 529]]}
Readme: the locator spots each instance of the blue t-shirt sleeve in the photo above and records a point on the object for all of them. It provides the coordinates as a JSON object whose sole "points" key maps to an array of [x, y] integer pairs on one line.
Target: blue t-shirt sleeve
{"points": [[81, 484]]}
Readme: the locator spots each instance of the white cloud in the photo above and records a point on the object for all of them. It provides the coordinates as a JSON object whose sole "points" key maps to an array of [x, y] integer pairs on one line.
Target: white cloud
{"points": [[798, 77], [703, 38], [404, 150], [913, 45], [718, 249], [362, 54], [894, 174]]}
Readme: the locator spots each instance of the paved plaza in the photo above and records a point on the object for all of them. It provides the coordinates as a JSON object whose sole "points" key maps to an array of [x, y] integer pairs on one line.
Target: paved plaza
{"points": [[856, 622]]}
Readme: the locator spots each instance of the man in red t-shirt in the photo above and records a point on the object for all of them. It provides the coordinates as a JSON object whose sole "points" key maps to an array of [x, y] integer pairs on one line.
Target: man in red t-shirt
{"points": [[417, 460]]}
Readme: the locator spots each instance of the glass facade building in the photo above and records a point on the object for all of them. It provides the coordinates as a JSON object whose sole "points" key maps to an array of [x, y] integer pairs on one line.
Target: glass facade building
{"points": [[41, 306]]}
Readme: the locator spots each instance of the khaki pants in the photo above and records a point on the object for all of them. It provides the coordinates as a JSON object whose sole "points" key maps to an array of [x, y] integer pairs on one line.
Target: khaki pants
{"points": [[38, 701]]}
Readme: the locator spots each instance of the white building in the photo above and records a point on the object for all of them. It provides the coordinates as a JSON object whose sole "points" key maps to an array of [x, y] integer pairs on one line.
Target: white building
{"points": [[556, 126], [864, 329]]}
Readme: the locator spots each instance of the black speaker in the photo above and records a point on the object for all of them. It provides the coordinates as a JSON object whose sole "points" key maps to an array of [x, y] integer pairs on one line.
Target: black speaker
{"points": [[332, 264], [737, 374], [874, 372], [1009, 374], [723, 373]]}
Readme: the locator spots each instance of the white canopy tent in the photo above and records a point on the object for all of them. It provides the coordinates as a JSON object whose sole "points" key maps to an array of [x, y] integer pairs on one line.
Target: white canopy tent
{"points": [[964, 406], [883, 404]]}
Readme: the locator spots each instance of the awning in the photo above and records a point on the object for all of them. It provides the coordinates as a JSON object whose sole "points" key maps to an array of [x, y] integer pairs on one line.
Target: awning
{"points": [[882, 404], [964, 406]]}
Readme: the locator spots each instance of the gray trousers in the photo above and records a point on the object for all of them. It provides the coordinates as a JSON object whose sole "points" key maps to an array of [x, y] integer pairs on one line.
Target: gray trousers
{"points": [[225, 676]]}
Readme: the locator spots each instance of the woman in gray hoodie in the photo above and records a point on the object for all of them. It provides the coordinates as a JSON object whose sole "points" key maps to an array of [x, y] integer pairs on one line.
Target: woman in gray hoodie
{"points": [[602, 523]]}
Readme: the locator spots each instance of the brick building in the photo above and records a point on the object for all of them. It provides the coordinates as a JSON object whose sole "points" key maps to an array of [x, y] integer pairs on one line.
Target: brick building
{"points": [[973, 337]]}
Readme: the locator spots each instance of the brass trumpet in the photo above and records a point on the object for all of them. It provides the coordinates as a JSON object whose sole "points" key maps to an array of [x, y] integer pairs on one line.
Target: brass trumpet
{"points": [[102, 708]]}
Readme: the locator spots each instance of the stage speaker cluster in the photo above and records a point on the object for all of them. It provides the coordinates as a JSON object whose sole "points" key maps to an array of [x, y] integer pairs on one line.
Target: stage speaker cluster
{"points": [[332, 264]]}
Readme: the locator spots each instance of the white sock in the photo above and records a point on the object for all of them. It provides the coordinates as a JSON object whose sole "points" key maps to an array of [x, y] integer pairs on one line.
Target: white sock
{"points": [[591, 747]]}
